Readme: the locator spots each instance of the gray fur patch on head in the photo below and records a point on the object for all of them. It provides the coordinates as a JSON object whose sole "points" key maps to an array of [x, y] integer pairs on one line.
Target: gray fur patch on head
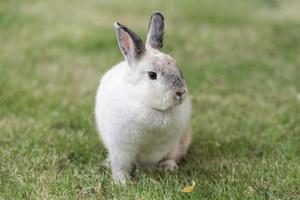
{"points": [[169, 70]]}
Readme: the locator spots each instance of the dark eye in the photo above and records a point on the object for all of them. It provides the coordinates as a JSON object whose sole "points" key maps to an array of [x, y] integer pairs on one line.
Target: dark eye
{"points": [[152, 75]]}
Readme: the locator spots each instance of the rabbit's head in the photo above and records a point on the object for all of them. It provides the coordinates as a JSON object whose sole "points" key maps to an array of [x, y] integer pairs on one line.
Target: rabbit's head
{"points": [[153, 78]]}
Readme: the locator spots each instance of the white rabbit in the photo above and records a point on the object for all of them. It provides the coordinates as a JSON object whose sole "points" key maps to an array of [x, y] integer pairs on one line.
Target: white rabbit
{"points": [[142, 106]]}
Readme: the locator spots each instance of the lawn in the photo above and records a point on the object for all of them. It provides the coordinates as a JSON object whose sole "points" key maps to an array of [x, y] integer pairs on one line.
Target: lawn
{"points": [[242, 65]]}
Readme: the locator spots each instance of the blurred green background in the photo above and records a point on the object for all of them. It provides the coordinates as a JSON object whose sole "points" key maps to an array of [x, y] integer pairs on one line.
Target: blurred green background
{"points": [[241, 61]]}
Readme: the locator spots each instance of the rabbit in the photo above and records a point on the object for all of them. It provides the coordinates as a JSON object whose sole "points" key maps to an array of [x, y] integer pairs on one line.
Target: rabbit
{"points": [[142, 105]]}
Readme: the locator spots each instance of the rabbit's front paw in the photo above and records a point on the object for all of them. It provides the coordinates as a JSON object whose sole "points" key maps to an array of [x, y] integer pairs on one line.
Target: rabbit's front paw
{"points": [[121, 177], [121, 168], [168, 165]]}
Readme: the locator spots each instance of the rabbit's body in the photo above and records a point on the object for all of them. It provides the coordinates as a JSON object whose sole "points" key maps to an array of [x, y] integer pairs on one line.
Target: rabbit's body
{"points": [[126, 125], [142, 107]]}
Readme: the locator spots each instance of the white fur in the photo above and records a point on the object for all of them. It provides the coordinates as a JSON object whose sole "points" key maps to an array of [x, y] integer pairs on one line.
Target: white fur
{"points": [[141, 120]]}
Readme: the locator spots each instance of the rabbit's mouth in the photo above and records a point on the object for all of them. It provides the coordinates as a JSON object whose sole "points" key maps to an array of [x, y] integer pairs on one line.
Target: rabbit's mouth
{"points": [[180, 96]]}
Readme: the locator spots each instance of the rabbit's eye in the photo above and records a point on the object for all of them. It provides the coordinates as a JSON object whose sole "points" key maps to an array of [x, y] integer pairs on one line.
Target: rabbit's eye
{"points": [[152, 75]]}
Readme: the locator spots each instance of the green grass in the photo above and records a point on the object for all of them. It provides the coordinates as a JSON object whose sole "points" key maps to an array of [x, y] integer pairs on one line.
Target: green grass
{"points": [[240, 59]]}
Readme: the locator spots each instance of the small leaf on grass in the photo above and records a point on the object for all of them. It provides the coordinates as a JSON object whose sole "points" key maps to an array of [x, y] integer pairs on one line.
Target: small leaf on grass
{"points": [[191, 188]]}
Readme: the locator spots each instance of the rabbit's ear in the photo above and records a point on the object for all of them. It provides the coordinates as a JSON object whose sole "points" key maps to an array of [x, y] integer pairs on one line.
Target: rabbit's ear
{"points": [[131, 45], [156, 31]]}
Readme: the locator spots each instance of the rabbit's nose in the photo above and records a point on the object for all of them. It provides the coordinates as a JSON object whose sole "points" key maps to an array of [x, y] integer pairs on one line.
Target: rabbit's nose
{"points": [[180, 92]]}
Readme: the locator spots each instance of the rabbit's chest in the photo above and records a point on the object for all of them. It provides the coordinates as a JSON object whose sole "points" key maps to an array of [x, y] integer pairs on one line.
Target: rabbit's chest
{"points": [[156, 138], [154, 147]]}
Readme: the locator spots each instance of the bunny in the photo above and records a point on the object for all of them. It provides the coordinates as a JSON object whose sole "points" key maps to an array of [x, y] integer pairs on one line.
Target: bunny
{"points": [[142, 105]]}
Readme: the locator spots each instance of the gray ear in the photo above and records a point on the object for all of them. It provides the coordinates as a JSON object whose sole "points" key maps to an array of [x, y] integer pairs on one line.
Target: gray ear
{"points": [[156, 31], [131, 45]]}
